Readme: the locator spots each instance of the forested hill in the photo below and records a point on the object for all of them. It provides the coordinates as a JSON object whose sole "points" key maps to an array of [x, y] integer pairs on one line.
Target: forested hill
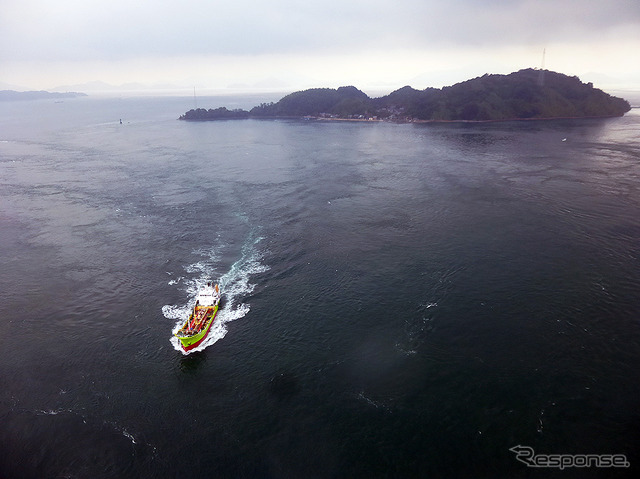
{"points": [[526, 94], [523, 94]]}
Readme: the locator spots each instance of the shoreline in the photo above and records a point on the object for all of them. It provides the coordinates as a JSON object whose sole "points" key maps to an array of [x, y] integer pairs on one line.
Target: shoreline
{"points": [[406, 121]]}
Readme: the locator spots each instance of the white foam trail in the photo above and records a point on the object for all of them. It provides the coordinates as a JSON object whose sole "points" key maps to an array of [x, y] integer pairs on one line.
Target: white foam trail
{"points": [[53, 412], [234, 285], [129, 436], [175, 281], [371, 402]]}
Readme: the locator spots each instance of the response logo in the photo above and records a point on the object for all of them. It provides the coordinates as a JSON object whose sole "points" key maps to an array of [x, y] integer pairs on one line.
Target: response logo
{"points": [[526, 455]]}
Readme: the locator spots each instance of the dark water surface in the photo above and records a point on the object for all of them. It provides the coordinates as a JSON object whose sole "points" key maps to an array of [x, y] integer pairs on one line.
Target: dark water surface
{"points": [[399, 300]]}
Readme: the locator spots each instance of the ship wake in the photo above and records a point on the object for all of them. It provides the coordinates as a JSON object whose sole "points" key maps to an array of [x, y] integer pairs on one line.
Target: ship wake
{"points": [[235, 285]]}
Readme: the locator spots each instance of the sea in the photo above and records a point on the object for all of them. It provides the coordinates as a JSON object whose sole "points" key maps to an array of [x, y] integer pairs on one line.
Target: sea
{"points": [[428, 300]]}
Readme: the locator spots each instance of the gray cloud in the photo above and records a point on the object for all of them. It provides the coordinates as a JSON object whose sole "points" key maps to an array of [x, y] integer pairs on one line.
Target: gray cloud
{"points": [[246, 41], [84, 30]]}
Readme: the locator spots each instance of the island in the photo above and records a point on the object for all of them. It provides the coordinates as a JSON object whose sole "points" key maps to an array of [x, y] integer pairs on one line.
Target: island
{"points": [[201, 114], [12, 95], [527, 94]]}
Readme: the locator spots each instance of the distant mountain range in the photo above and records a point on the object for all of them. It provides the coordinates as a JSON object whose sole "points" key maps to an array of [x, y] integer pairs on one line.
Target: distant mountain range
{"points": [[526, 94], [12, 95], [102, 87]]}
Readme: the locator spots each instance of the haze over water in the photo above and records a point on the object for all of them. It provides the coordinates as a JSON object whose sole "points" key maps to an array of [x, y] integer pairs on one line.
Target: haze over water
{"points": [[399, 300]]}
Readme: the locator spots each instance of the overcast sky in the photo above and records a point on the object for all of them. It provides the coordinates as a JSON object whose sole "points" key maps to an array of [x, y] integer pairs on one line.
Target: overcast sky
{"points": [[376, 45]]}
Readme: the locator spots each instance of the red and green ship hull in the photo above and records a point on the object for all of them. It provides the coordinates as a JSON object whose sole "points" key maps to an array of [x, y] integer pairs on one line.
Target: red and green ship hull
{"points": [[188, 342], [196, 329]]}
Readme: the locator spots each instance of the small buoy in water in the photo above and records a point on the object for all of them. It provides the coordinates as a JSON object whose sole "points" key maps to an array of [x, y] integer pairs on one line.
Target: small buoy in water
{"points": [[564, 139], [121, 123]]}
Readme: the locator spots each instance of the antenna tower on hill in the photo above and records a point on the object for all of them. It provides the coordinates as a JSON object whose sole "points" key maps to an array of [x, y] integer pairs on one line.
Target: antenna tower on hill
{"points": [[541, 74]]}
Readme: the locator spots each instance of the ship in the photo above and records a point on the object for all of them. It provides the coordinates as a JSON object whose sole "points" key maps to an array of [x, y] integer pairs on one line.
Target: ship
{"points": [[196, 328]]}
